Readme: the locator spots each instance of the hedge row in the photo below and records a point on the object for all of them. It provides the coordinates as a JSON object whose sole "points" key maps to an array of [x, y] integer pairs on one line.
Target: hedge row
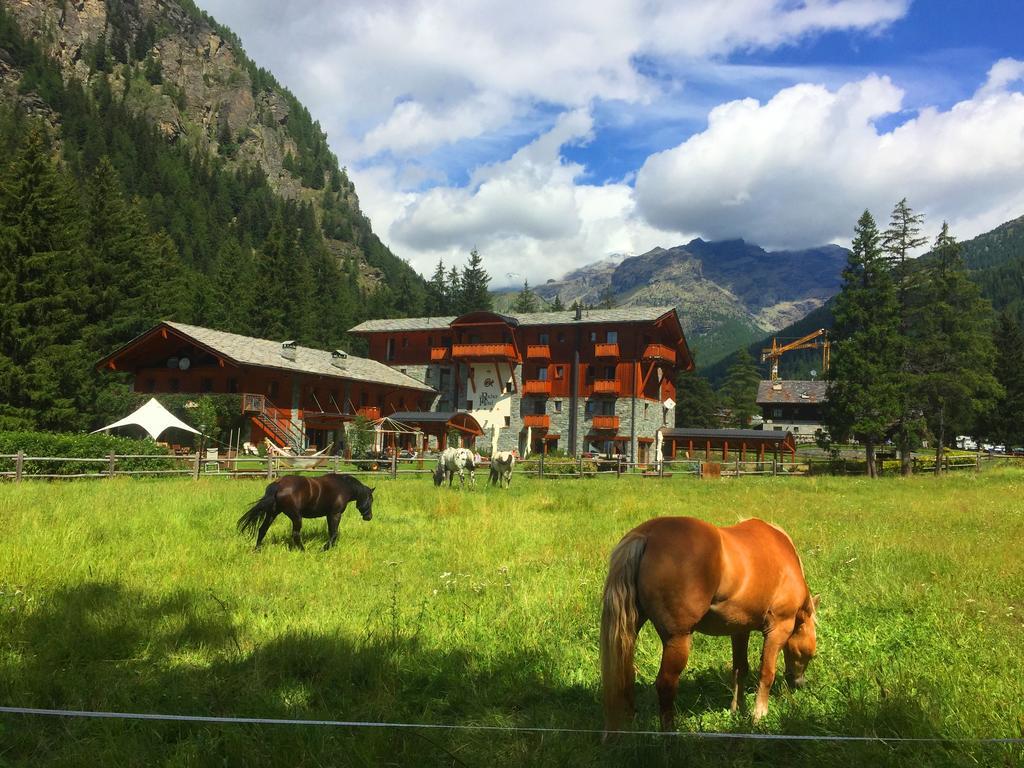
{"points": [[72, 446]]}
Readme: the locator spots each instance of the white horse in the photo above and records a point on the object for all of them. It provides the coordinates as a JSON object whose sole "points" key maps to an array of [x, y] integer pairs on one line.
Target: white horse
{"points": [[502, 464], [454, 460]]}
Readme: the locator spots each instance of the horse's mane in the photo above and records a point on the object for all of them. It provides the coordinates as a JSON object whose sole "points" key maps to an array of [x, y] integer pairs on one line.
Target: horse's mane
{"points": [[358, 488]]}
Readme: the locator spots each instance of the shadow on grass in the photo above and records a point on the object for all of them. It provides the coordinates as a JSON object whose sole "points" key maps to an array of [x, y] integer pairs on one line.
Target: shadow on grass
{"points": [[100, 646]]}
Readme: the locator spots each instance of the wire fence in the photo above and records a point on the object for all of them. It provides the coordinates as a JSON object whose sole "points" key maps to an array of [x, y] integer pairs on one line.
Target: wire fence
{"points": [[21, 466]]}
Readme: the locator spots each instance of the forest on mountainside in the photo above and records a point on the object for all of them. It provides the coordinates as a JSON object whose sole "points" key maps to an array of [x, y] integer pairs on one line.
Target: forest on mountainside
{"points": [[106, 228]]}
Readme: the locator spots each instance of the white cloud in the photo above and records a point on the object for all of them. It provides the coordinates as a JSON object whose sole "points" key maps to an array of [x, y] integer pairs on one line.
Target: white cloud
{"points": [[798, 169]]}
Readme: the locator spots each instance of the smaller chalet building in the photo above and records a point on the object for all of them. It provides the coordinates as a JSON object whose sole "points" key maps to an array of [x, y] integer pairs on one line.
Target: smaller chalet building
{"points": [[295, 396], [793, 406], [597, 380]]}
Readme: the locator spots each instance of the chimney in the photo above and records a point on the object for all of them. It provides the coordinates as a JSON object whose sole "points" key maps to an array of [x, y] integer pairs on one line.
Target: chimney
{"points": [[288, 350], [338, 358], [579, 311]]}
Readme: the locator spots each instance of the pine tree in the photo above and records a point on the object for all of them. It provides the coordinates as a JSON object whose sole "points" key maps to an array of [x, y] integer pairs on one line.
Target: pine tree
{"points": [[607, 298], [739, 393], [864, 393], [437, 292], [526, 300], [453, 293], [1004, 421], [951, 351], [696, 402], [902, 238], [474, 294], [556, 305]]}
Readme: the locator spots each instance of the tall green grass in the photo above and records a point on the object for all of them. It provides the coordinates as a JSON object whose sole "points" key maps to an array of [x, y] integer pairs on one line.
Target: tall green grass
{"points": [[482, 607]]}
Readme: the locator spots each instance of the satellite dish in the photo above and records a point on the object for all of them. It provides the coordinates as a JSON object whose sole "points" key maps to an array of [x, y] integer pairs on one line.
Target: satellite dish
{"points": [[813, 373], [172, 362], [184, 363]]}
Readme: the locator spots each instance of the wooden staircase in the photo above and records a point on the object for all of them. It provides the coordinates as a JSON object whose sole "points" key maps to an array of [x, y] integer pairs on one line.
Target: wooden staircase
{"points": [[281, 430]]}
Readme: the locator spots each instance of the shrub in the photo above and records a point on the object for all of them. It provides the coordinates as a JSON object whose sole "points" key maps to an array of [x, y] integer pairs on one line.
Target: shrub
{"points": [[72, 446]]}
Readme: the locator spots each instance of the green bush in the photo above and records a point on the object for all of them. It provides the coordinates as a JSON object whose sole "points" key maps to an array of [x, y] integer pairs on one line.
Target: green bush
{"points": [[72, 446]]}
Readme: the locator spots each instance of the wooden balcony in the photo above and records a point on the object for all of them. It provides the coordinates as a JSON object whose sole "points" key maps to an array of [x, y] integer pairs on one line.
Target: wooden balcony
{"points": [[606, 387], [538, 352], [482, 352], [607, 350], [439, 354], [537, 421], [370, 412], [659, 352], [606, 422], [536, 387]]}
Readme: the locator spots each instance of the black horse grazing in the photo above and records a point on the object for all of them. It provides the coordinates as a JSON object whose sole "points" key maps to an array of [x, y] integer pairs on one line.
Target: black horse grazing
{"points": [[300, 497]]}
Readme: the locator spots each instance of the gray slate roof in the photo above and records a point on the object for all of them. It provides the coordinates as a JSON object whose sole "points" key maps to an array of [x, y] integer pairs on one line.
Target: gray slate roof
{"points": [[267, 354], [566, 317], [793, 392]]}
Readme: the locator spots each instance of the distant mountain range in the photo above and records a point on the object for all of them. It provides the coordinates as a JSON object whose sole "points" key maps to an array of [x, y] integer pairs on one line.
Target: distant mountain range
{"points": [[996, 263], [728, 293]]}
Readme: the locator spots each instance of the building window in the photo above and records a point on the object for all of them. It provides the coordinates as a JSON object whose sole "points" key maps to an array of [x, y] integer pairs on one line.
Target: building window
{"points": [[558, 406], [206, 384], [390, 353], [542, 373], [613, 337], [469, 405], [405, 342], [609, 371], [404, 370], [538, 407], [559, 371], [646, 406], [561, 338], [272, 390], [776, 413], [508, 421], [430, 341], [232, 385], [590, 408], [593, 335], [542, 338]]}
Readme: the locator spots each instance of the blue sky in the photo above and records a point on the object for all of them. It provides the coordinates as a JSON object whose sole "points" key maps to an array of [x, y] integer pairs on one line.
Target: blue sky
{"points": [[553, 135]]}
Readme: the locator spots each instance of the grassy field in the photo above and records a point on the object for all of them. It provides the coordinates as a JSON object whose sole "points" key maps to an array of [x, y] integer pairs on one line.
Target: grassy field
{"points": [[481, 607]]}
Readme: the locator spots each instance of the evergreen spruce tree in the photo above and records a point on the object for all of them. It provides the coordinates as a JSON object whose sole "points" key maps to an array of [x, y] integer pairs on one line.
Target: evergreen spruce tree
{"points": [[1004, 421], [475, 296], [454, 295], [437, 292], [865, 397], [696, 402], [951, 351], [902, 238], [739, 393], [526, 300], [556, 304]]}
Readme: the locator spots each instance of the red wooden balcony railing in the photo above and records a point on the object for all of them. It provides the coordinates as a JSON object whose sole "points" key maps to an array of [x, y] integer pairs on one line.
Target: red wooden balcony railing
{"points": [[606, 422], [538, 352], [536, 387], [610, 349], [371, 412], [497, 351], [659, 352], [439, 354], [537, 420], [606, 386]]}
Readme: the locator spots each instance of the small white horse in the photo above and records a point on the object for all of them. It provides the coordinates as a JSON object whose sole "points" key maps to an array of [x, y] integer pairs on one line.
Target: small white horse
{"points": [[454, 460], [502, 464]]}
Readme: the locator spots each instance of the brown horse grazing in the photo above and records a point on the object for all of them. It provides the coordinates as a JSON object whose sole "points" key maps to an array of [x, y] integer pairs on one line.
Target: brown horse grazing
{"points": [[685, 576], [300, 497]]}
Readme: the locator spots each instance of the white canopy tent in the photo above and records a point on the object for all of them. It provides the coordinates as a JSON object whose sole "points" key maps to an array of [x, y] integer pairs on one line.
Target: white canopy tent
{"points": [[153, 418]]}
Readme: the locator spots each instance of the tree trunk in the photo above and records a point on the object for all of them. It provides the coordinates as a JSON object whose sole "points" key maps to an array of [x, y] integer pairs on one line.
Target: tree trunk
{"points": [[869, 450], [941, 442]]}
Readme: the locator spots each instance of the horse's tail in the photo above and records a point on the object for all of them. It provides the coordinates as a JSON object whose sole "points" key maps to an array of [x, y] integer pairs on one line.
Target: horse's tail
{"points": [[253, 519], [619, 629]]}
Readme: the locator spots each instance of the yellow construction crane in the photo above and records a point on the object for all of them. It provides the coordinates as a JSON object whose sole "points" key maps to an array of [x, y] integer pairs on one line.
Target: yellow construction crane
{"points": [[814, 340]]}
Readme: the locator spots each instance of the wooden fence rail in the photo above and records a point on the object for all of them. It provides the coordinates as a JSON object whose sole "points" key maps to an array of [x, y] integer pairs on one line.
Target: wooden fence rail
{"points": [[20, 466]]}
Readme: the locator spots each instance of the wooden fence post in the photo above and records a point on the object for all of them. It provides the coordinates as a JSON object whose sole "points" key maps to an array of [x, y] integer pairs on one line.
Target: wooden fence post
{"points": [[111, 460], [540, 465], [270, 466], [737, 467], [775, 467], [580, 465], [661, 468], [394, 465], [19, 466], [197, 466]]}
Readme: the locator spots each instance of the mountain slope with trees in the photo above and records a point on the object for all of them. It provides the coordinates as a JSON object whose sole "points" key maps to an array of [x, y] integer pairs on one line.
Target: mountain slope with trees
{"points": [[111, 220]]}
